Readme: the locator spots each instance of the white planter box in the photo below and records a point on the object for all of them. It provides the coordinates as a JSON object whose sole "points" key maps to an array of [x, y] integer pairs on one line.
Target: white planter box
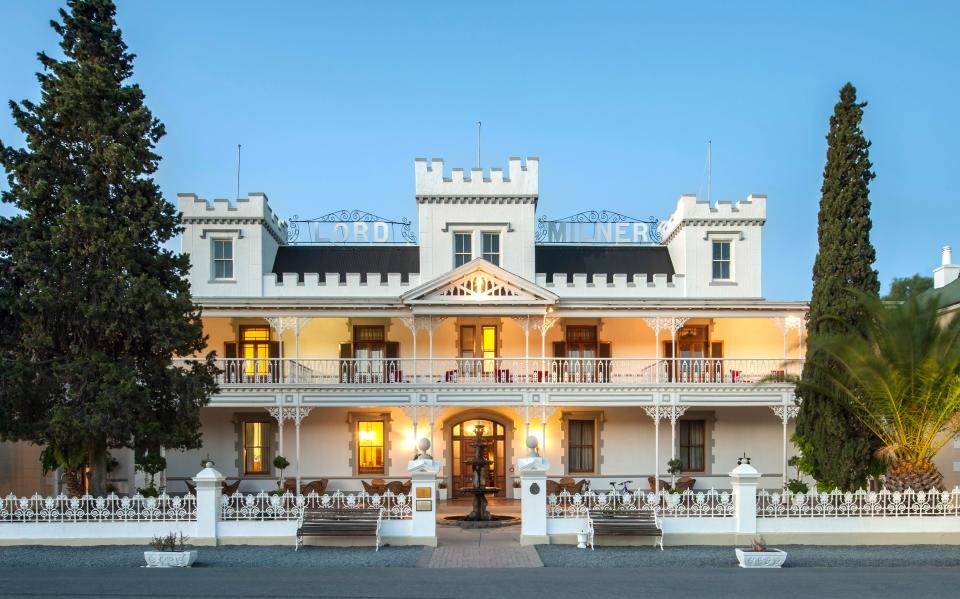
{"points": [[170, 559], [442, 494], [771, 558]]}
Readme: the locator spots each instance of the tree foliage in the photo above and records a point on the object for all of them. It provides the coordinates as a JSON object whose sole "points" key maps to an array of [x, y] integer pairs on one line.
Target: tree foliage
{"points": [[903, 287], [840, 447], [93, 307], [900, 375]]}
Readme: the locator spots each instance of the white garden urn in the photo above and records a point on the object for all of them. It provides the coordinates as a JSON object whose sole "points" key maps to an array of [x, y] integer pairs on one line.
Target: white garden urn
{"points": [[170, 559], [771, 558]]}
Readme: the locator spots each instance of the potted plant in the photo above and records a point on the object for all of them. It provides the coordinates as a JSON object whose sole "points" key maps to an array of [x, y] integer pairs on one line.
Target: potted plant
{"points": [[150, 464], [796, 485], [442, 489], [674, 467], [170, 551], [280, 463], [759, 556]]}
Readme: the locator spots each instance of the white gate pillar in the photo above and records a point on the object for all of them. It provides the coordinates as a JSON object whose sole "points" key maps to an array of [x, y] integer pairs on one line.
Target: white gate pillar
{"points": [[743, 480], [533, 496], [423, 497], [209, 486]]}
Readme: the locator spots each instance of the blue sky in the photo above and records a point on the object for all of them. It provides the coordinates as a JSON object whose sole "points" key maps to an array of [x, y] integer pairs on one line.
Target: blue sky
{"points": [[333, 101]]}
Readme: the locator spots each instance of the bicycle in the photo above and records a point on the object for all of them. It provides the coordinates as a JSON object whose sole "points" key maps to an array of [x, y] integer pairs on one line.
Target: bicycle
{"points": [[623, 488]]}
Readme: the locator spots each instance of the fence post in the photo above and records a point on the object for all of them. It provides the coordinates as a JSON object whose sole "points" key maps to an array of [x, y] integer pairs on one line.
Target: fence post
{"points": [[209, 487], [743, 480], [533, 496], [423, 497]]}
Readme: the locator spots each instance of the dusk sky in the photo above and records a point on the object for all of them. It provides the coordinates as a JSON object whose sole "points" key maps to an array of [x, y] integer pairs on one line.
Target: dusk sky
{"points": [[333, 101]]}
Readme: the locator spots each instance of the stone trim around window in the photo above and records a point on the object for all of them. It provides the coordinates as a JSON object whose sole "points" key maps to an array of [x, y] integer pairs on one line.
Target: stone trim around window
{"points": [[597, 417], [709, 444], [354, 462], [239, 419]]}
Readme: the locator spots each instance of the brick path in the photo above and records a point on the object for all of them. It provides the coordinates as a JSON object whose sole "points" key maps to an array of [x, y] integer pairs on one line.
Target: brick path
{"points": [[494, 548]]}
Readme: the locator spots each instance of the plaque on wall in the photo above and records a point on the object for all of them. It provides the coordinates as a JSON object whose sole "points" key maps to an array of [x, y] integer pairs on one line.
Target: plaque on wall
{"points": [[424, 505], [424, 493], [534, 489]]}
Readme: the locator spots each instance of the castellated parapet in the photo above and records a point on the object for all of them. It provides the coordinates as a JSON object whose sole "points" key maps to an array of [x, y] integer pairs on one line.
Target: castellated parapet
{"points": [[693, 211], [522, 180], [253, 209]]}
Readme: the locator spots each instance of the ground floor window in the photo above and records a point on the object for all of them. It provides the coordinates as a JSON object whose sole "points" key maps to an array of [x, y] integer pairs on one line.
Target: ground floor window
{"points": [[692, 444], [256, 447], [370, 459], [580, 445]]}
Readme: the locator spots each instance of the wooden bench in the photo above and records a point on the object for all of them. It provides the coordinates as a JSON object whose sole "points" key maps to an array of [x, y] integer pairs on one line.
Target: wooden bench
{"points": [[339, 522], [642, 523]]}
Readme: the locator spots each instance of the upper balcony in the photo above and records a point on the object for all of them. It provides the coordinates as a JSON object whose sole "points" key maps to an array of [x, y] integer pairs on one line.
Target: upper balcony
{"points": [[453, 372]]}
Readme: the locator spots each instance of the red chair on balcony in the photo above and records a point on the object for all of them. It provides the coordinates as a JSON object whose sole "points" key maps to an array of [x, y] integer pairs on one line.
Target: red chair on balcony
{"points": [[503, 376]]}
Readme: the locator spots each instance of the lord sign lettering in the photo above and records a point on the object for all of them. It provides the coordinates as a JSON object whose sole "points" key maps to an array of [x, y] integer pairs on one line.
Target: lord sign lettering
{"points": [[349, 226]]}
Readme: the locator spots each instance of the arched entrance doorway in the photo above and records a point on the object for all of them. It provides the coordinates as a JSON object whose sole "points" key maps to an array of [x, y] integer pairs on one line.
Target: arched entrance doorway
{"points": [[463, 446]]}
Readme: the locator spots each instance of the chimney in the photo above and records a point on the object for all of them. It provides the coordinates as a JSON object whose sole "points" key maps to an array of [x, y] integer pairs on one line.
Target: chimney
{"points": [[947, 272]]}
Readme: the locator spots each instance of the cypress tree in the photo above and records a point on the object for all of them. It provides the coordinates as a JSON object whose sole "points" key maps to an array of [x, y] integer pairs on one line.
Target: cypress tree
{"points": [[838, 449], [93, 306]]}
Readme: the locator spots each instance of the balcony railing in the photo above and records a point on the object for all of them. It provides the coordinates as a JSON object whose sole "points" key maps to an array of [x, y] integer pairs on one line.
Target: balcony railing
{"points": [[507, 371]]}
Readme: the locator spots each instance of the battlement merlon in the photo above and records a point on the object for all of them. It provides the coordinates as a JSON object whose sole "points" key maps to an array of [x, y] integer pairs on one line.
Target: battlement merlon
{"points": [[520, 180], [693, 211], [253, 209]]}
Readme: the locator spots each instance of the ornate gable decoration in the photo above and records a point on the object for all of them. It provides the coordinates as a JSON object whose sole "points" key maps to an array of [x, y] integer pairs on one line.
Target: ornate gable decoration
{"points": [[479, 282]]}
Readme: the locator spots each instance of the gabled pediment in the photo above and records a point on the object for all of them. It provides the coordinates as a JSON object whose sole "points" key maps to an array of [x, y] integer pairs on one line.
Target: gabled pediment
{"points": [[479, 282]]}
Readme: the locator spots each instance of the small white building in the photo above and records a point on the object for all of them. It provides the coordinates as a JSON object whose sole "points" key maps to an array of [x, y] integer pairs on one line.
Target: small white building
{"points": [[619, 342]]}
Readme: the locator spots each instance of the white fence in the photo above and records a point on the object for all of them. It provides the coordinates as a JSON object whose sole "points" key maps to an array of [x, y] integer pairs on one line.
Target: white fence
{"points": [[689, 504], [860, 503], [505, 371], [264, 506], [111, 508]]}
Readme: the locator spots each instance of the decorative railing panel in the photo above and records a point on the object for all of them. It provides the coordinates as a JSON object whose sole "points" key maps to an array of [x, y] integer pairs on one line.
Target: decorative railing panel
{"points": [[265, 506], [111, 508], [688, 504], [776, 504], [507, 371]]}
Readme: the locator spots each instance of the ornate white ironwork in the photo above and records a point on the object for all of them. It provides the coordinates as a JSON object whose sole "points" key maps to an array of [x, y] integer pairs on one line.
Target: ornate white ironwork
{"points": [[297, 413], [710, 504], [665, 323], [111, 508], [786, 412], [785, 504], [264, 506], [480, 286], [346, 216]]}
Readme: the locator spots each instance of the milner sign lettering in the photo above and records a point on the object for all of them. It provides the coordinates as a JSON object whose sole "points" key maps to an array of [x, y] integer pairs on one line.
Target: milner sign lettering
{"points": [[600, 227], [349, 226]]}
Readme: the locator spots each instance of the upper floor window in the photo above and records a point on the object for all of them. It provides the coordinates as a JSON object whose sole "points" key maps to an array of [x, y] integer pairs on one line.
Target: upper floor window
{"points": [[721, 260], [222, 258], [491, 248], [462, 248]]}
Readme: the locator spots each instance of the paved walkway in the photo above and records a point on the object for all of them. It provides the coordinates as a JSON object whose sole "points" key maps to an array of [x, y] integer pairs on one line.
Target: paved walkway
{"points": [[479, 548]]}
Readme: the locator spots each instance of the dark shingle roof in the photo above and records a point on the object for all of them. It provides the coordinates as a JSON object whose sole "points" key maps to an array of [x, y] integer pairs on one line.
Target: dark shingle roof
{"points": [[608, 260], [383, 259]]}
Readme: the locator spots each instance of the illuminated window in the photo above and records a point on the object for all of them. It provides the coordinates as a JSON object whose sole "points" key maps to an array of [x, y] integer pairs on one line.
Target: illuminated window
{"points": [[255, 350], [256, 447], [580, 445], [721, 260], [370, 447], [489, 348], [462, 248], [491, 248], [222, 258]]}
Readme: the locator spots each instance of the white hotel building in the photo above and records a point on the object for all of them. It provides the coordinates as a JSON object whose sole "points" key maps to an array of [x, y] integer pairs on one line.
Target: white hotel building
{"points": [[618, 342]]}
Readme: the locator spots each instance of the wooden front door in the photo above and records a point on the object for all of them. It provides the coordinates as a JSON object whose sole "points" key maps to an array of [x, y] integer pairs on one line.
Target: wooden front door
{"points": [[464, 446]]}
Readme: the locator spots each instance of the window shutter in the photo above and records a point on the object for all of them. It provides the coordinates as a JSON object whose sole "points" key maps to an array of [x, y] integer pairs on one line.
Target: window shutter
{"points": [[275, 367], [392, 372], [230, 350], [346, 368], [231, 370], [559, 349], [392, 350], [603, 368], [604, 350]]}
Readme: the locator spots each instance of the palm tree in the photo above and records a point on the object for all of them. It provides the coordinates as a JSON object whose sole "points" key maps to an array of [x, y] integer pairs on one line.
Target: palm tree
{"points": [[901, 378]]}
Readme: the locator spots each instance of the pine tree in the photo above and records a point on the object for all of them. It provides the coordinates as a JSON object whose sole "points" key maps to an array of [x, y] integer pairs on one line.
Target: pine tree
{"points": [[839, 447], [94, 307]]}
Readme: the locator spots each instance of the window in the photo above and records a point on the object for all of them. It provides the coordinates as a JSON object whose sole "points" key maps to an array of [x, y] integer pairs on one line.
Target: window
{"points": [[692, 444], [489, 348], [369, 344], [222, 258], [462, 248], [370, 447], [491, 248], [256, 447], [255, 350], [468, 334], [580, 445], [721, 260]]}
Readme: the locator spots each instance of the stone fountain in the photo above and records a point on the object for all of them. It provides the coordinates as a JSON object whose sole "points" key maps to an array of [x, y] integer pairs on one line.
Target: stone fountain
{"points": [[480, 516]]}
